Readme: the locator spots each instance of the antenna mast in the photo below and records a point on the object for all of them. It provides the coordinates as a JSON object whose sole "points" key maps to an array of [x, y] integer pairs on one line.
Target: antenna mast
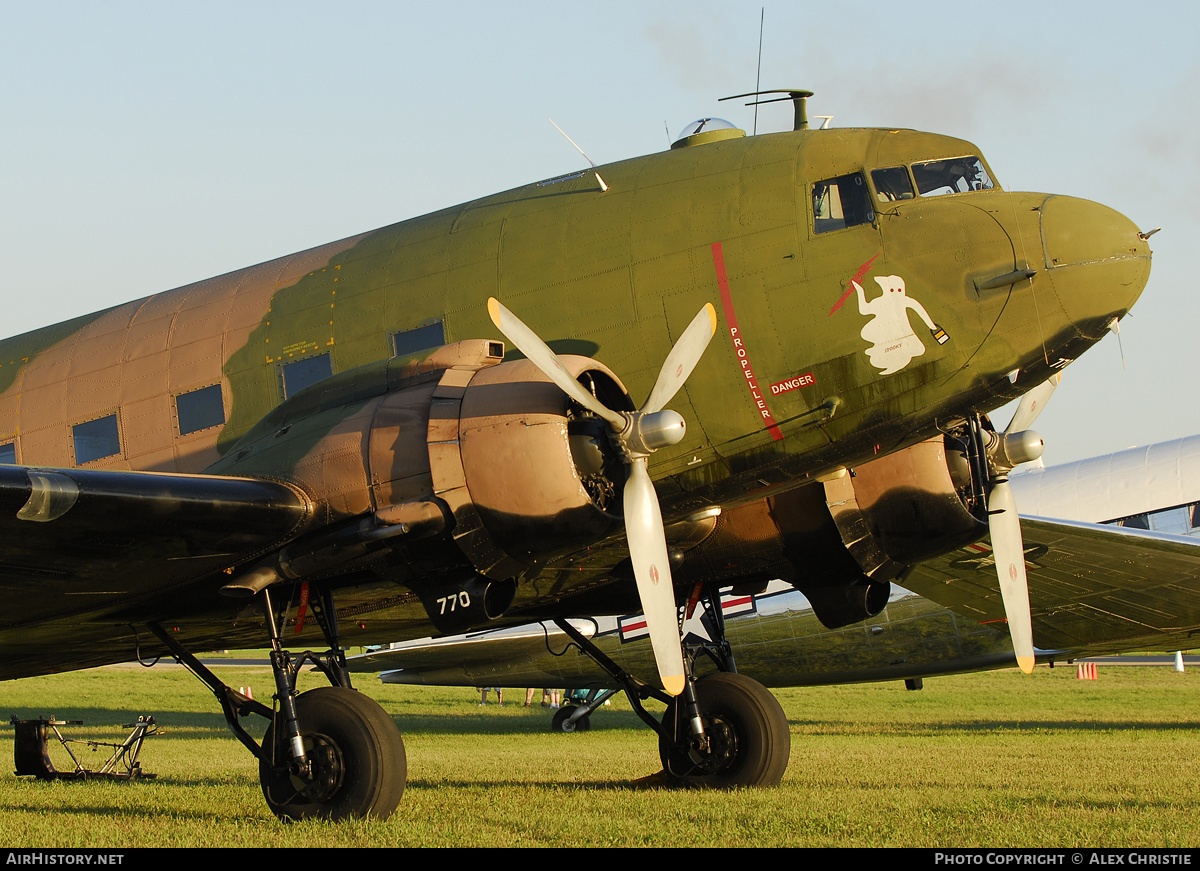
{"points": [[762, 16], [797, 97]]}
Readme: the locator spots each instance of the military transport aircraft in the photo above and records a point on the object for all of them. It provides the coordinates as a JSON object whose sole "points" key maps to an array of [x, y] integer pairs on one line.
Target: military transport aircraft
{"points": [[337, 448], [1138, 590]]}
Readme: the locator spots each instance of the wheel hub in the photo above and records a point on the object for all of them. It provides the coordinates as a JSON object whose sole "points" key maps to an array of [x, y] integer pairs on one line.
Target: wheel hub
{"points": [[722, 746], [326, 766]]}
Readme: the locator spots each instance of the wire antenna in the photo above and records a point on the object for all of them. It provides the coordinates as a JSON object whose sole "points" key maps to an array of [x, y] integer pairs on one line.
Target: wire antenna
{"points": [[603, 186]]}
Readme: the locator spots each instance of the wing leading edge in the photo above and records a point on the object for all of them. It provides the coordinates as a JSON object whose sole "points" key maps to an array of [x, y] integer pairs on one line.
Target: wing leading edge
{"points": [[86, 554], [1093, 588]]}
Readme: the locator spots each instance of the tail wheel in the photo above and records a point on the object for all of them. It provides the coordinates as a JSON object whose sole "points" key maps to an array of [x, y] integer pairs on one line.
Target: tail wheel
{"points": [[357, 755], [749, 741], [560, 724]]}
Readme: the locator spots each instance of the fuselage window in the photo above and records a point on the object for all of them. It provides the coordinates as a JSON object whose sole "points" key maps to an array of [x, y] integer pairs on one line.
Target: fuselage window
{"points": [[420, 339], [305, 373], [200, 409], [892, 184], [841, 202], [957, 175], [8, 454], [96, 439]]}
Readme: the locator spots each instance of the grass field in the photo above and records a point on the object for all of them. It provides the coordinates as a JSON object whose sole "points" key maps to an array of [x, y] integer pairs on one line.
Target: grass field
{"points": [[997, 759]]}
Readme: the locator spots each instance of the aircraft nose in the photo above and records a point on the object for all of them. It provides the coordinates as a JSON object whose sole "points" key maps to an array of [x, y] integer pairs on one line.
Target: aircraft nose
{"points": [[1096, 260]]}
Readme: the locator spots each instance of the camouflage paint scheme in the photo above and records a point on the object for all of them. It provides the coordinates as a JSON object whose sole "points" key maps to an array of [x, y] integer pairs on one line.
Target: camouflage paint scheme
{"points": [[474, 454]]}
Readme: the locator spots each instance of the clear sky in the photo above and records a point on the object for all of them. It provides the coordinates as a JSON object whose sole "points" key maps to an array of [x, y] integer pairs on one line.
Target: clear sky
{"points": [[148, 145]]}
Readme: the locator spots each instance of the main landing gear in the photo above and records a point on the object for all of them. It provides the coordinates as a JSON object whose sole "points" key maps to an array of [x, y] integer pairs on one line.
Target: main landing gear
{"points": [[329, 753], [724, 731], [356, 764]]}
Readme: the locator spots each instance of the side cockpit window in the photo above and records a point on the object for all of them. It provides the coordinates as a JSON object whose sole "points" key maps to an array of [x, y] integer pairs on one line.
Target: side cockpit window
{"points": [[892, 184], [957, 175], [841, 202]]}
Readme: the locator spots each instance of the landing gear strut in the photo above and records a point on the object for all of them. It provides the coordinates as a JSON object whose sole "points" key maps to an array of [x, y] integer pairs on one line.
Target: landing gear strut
{"points": [[725, 730], [329, 753]]}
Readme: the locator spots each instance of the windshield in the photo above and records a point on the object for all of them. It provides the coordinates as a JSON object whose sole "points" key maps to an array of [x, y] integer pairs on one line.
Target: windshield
{"points": [[956, 175], [892, 184]]}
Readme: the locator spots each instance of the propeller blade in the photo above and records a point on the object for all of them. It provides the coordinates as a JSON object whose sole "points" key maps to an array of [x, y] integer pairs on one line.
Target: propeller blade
{"points": [[1031, 404], [643, 517], [651, 569], [1008, 549], [682, 359], [530, 344]]}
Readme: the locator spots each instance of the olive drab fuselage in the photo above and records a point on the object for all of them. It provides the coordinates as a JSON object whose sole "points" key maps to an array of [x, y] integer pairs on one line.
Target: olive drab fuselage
{"points": [[859, 312]]}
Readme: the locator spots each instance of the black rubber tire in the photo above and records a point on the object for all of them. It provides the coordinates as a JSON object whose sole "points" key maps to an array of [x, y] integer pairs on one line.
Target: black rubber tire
{"points": [[559, 723], [358, 754], [748, 731]]}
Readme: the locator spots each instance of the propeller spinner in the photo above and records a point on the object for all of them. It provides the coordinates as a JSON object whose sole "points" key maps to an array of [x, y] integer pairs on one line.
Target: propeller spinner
{"points": [[638, 433]]}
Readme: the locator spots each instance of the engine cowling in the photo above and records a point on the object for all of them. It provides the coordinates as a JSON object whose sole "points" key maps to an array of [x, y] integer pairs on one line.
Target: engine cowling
{"points": [[894, 512], [454, 440], [841, 541], [526, 474]]}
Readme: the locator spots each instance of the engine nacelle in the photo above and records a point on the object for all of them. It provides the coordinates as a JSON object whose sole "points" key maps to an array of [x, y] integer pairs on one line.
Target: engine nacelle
{"points": [[459, 606], [453, 439], [498, 455], [901, 508], [525, 473], [841, 542]]}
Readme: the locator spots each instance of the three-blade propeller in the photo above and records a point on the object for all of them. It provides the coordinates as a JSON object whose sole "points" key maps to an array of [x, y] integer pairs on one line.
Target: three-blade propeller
{"points": [[642, 432], [1017, 444], [638, 433]]}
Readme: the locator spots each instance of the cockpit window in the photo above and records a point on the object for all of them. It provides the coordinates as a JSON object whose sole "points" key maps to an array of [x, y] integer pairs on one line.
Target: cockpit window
{"points": [[954, 176], [892, 184], [841, 202]]}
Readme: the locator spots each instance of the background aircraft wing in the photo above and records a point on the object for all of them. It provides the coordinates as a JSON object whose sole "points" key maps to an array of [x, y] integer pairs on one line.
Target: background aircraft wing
{"points": [[1093, 588], [497, 657], [86, 553]]}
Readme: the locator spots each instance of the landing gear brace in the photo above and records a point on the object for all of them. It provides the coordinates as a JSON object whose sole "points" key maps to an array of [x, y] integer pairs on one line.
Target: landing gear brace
{"points": [[724, 730], [334, 753], [329, 753]]}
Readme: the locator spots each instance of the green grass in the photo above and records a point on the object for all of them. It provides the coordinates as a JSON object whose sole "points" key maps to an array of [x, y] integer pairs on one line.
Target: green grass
{"points": [[995, 759]]}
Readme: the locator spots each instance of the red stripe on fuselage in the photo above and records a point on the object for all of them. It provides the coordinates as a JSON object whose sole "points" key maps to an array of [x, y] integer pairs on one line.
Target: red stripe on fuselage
{"points": [[739, 347]]}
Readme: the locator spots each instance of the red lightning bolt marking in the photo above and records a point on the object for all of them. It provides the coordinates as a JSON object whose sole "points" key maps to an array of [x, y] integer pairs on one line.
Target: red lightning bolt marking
{"points": [[862, 270]]}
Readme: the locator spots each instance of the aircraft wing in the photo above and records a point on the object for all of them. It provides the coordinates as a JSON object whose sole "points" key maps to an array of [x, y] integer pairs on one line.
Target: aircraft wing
{"points": [[515, 656], [85, 551], [1092, 588]]}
